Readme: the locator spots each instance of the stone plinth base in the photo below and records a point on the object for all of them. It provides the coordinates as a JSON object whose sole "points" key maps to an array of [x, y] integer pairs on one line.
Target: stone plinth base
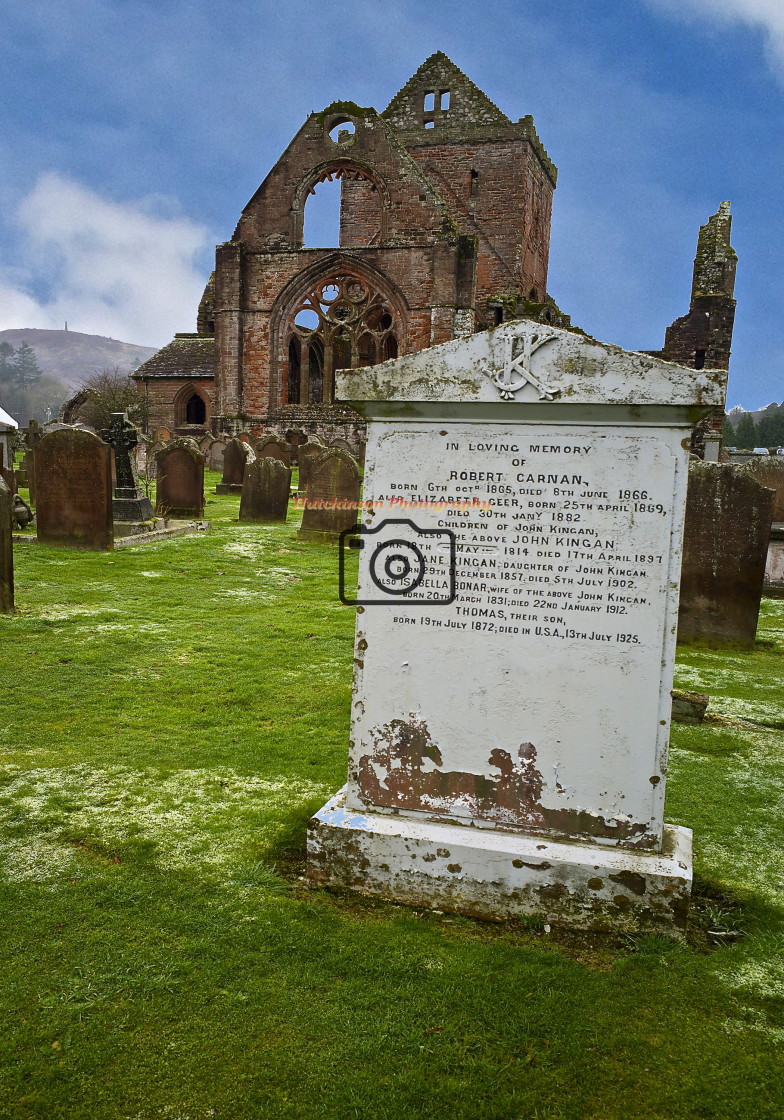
{"points": [[170, 529], [129, 505], [487, 873], [228, 488]]}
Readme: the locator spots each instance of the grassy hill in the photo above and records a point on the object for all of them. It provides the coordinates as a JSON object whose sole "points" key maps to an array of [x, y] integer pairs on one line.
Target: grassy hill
{"points": [[70, 356]]}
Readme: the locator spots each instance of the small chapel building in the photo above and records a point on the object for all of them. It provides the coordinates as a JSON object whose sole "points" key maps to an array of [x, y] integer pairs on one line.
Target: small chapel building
{"points": [[445, 207]]}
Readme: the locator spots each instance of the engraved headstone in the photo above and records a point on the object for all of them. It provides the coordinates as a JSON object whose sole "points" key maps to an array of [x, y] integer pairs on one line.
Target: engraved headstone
{"points": [[518, 564], [74, 490], [129, 503], [270, 447], [307, 453], [236, 454], [6, 550], [728, 521], [180, 474], [332, 496], [265, 491]]}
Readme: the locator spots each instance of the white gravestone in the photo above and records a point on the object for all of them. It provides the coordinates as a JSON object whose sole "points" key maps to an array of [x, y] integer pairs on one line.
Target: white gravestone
{"points": [[511, 708]]}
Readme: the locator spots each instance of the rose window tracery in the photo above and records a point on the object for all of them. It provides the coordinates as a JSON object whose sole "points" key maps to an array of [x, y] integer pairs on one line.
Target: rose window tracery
{"points": [[342, 323]]}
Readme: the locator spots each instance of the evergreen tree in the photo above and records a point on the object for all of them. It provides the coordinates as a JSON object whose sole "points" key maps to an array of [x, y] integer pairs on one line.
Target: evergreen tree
{"points": [[746, 432], [27, 372], [728, 433], [770, 427]]}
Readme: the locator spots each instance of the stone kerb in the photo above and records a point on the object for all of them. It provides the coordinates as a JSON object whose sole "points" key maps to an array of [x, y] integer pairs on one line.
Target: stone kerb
{"points": [[180, 474], [727, 531], [332, 496], [521, 539], [74, 490], [6, 549], [265, 491], [236, 455], [270, 447]]}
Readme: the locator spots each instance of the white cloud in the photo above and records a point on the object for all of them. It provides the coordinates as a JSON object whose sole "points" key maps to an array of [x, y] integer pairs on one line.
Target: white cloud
{"points": [[127, 270], [766, 16]]}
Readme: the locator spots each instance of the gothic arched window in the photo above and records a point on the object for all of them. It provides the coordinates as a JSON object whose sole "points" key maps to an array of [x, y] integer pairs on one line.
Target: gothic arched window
{"points": [[195, 410], [343, 322]]}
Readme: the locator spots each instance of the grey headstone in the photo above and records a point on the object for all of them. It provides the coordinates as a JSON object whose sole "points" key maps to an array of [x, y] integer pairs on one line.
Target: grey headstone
{"points": [[265, 491], [332, 496]]}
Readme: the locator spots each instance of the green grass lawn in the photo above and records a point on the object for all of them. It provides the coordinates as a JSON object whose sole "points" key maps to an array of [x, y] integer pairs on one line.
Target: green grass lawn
{"points": [[171, 716]]}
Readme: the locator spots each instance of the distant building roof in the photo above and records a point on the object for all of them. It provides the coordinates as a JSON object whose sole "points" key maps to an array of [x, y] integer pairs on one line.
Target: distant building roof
{"points": [[6, 420], [189, 355]]}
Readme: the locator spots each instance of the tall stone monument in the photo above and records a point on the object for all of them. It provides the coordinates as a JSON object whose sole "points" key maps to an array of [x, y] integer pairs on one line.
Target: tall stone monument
{"points": [[518, 598], [32, 437], [6, 549], [74, 490], [130, 503]]}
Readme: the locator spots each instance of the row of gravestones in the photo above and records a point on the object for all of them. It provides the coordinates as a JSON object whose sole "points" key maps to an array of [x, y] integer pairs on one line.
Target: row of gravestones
{"points": [[77, 505], [727, 538], [269, 446], [329, 484]]}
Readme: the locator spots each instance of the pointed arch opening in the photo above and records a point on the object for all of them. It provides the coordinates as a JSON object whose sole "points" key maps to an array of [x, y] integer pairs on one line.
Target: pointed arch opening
{"points": [[340, 321]]}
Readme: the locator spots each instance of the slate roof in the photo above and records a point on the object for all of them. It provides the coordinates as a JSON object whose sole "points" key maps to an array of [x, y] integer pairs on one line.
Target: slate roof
{"points": [[188, 355], [6, 420]]}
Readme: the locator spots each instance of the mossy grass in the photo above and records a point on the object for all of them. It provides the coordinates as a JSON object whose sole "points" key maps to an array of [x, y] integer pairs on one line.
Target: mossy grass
{"points": [[172, 714]]}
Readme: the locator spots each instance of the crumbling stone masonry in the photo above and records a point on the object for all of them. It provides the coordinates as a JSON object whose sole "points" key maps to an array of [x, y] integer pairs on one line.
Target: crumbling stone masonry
{"points": [[445, 208]]}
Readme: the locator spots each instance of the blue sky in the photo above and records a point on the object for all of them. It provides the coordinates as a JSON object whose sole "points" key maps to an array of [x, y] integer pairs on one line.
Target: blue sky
{"points": [[134, 131]]}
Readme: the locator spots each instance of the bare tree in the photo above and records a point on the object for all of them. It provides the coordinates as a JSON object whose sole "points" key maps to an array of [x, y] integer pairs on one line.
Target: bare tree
{"points": [[103, 392]]}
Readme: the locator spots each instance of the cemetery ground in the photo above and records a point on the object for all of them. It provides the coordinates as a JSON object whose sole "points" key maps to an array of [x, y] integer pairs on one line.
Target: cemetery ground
{"points": [[172, 715]]}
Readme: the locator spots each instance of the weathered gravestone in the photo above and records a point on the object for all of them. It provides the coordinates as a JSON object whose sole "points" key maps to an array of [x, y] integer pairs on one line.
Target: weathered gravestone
{"points": [[236, 455], [307, 453], [516, 636], [32, 437], [343, 444], [6, 550], [180, 473], [74, 490], [768, 470], [332, 496], [270, 447], [130, 504], [728, 519], [265, 491], [216, 454]]}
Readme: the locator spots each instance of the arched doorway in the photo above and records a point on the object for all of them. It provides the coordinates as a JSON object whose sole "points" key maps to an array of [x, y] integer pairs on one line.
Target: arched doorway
{"points": [[195, 410]]}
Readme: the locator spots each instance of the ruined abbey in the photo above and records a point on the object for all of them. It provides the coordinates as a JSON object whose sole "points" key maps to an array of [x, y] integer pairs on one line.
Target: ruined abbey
{"points": [[445, 208]]}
